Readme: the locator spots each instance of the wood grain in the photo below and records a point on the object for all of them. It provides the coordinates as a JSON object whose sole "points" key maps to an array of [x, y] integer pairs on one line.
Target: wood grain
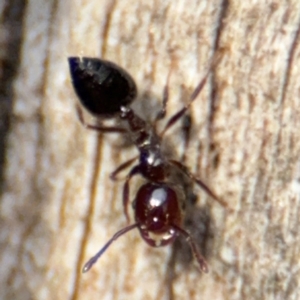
{"points": [[58, 206]]}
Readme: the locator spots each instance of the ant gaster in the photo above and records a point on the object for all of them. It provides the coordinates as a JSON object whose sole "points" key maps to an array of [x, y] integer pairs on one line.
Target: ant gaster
{"points": [[106, 90]]}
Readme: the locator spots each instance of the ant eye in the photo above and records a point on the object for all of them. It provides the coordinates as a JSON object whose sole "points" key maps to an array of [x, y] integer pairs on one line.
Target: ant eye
{"points": [[101, 86]]}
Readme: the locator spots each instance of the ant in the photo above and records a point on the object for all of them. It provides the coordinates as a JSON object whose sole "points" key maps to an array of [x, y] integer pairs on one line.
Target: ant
{"points": [[106, 90]]}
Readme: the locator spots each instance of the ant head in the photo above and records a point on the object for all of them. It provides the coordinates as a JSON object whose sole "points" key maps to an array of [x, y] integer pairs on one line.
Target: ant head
{"points": [[158, 216], [158, 213], [101, 86]]}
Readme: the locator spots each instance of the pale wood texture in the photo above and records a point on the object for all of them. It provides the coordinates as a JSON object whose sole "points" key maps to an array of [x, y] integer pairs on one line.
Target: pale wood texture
{"points": [[58, 205]]}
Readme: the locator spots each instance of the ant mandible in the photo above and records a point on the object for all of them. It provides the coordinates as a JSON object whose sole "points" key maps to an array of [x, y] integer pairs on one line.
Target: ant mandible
{"points": [[106, 90]]}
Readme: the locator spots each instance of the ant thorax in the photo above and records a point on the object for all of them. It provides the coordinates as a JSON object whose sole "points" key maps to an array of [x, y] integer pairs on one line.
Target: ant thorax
{"points": [[106, 91], [153, 164]]}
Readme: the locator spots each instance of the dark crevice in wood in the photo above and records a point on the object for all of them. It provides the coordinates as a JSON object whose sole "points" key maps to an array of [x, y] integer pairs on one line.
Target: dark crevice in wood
{"points": [[88, 222], [106, 27], [286, 80], [13, 15], [215, 47]]}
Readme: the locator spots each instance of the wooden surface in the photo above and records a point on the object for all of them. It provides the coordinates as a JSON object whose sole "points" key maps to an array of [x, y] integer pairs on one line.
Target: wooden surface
{"points": [[58, 205]]}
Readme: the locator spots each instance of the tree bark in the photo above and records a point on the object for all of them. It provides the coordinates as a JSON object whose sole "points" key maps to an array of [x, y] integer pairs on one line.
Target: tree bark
{"points": [[58, 205]]}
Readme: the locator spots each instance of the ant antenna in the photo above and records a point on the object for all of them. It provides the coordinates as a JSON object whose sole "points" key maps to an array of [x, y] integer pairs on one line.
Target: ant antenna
{"points": [[200, 259], [94, 259]]}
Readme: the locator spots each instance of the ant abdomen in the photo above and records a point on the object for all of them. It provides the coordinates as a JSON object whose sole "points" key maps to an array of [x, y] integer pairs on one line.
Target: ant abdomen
{"points": [[101, 86]]}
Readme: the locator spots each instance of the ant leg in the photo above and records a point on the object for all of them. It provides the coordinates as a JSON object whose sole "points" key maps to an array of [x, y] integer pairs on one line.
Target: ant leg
{"points": [[96, 127], [181, 112], [200, 259], [123, 166], [195, 94], [135, 170], [94, 259], [184, 170]]}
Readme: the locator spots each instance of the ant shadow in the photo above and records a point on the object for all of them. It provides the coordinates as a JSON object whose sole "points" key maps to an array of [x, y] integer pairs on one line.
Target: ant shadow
{"points": [[199, 223]]}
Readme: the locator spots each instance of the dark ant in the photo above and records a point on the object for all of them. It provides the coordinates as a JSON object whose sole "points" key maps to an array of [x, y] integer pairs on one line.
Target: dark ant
{"points": [[106, 90]]}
